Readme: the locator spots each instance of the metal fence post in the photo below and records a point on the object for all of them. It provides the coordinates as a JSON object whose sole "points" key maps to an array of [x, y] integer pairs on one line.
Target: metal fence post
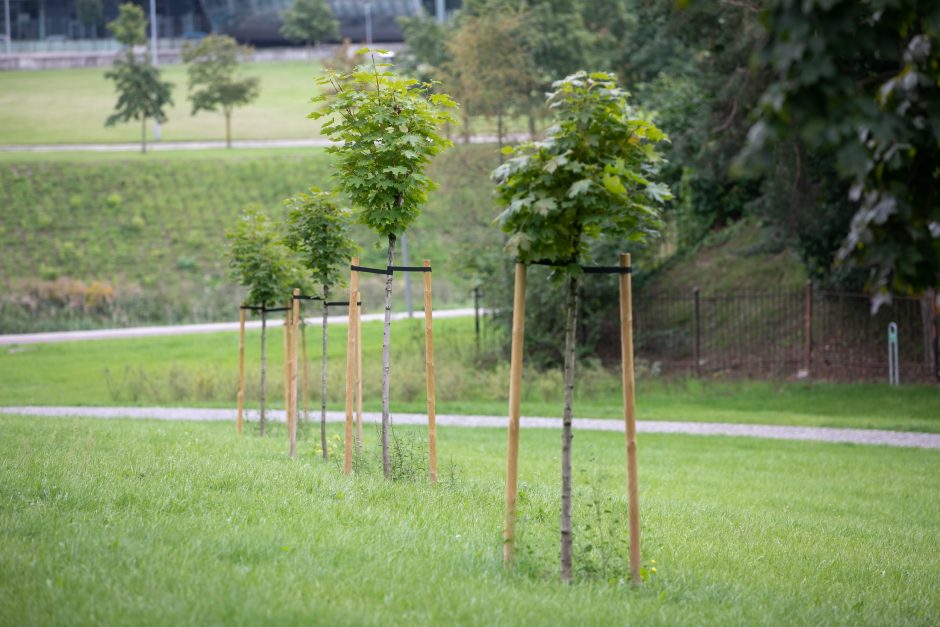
{"points": [[893, 374], [697, 346], [808, 329]]}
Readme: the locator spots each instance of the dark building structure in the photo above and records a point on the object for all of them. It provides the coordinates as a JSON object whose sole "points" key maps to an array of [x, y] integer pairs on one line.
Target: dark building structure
{"points": [[249, 21]]}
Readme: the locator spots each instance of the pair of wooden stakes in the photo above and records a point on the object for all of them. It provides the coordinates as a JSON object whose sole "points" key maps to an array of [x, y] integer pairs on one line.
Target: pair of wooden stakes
{"points": [[353, 396], [515, 395]]}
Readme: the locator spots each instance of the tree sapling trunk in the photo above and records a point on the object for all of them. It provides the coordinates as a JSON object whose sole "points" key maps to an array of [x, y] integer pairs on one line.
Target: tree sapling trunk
{"points": [[143, 135], [264, 327], [386, 337], [323, 381], [571, 320], [228, 128]]}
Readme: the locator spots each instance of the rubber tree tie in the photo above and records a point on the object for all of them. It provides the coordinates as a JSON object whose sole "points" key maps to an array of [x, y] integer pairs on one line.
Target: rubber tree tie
{"points": [[341, 303], [251, 308], [409, 269], [371, 270], [277, 309], [302, 297], [607, 269]]}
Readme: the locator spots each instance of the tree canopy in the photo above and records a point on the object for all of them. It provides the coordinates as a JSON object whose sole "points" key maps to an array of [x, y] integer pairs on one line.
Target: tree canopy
{"points": [[387, 130], [260, 261], [318, 231], [592, 175], [130, 26], [309, 21]]}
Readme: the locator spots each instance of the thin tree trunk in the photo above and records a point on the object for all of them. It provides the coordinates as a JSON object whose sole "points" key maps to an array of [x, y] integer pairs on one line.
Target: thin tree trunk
{"points": [[228, 129], [531, 123], [571, 320], [466, 124], [143, 135], [499, 135], [323, 382], [386, 337], [264, 364]]}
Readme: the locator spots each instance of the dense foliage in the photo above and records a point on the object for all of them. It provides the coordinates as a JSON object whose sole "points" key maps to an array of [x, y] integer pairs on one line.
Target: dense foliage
{"points": [[861, 81], [260, 262]]}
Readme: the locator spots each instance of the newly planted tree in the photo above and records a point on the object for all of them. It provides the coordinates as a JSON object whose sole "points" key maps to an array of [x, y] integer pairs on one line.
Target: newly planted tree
{"points": [[141, 93], [213, 77], [591, 177], [318, 231], [386, 130], [266, 268]]}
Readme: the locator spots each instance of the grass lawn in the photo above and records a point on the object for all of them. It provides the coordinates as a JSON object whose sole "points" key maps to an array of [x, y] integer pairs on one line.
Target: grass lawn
{"points": [[71, 105], [200, 370], [119, 522]]}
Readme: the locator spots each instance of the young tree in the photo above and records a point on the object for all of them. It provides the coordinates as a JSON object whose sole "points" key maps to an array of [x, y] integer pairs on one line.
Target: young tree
{"points": [[591, 176], [318, 231], [141, 93], [213, 83], [260, 262], [386, 130], [309, 22]]}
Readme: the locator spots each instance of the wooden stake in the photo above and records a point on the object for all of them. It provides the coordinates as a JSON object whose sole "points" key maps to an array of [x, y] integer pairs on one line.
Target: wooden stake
{"points": [[358, 370], [429, 369], [350, 366], [629, 414], [303, 356], [241, 371], [287, 368], [295, 319], [515, 391]]}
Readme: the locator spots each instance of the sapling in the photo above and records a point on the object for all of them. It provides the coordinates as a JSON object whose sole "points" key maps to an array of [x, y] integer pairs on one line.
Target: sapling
{"points": [[318, 231], [591, 176], [386, 130], [260, 262]]}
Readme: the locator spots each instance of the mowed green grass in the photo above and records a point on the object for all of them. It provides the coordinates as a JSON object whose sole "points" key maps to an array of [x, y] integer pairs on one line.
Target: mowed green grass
{"points": [[200, 370], [121, 523], [71, 106]]}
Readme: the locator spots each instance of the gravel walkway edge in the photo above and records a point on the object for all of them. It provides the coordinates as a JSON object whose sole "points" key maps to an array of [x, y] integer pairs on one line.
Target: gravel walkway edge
{"points": [[817, 434]]}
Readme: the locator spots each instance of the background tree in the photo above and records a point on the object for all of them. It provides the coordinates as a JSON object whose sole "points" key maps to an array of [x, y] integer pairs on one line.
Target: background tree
{"points": [[130, 26], [141, 93], [212, 65], [89, 13], [386, 130], [309, 22], [492, 65], [261, 263], [318, 231], [591, 176], [861, 82]]}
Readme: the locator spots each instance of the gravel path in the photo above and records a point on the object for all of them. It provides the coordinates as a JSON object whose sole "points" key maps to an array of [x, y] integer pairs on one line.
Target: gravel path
{"points": [[816, 434], [189, 329], [165, 146]]}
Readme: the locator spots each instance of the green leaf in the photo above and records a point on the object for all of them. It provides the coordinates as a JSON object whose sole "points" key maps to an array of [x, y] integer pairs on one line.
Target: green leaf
{"points": [[579, 187], [614, 185]]}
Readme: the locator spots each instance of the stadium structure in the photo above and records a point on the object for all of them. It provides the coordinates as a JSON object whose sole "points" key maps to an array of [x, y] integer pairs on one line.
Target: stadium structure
{"points": [[250, 21]]}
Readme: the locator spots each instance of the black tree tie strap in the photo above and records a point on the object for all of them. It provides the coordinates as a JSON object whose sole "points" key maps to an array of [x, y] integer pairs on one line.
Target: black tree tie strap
{"points": [[370, 270], [341, 303], [409, 269], [302, 297]]}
